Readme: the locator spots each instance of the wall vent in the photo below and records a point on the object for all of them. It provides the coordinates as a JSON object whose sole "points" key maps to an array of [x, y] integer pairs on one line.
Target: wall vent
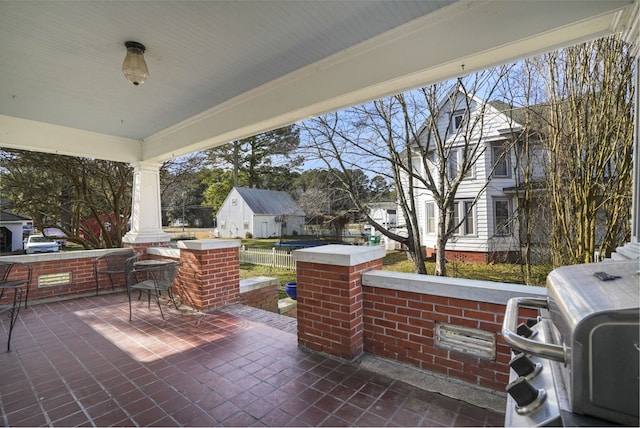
{"points": [[52, 279], [467, 340]]}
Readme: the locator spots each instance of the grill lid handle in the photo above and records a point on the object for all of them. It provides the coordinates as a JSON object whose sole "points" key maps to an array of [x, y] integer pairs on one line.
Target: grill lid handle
{"points": [[510, 327]]}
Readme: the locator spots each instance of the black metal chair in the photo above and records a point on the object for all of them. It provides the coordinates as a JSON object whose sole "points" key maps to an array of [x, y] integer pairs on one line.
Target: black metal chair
{"points": [[5, 271], [13, 307], [112, 264], [155, 280]]}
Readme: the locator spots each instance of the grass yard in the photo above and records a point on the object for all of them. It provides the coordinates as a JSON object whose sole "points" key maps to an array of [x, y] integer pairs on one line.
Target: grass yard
{"points": [[397, 261]]}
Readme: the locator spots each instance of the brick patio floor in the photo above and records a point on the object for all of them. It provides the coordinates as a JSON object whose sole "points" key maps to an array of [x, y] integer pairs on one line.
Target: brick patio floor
{"points": [[82, 363]]}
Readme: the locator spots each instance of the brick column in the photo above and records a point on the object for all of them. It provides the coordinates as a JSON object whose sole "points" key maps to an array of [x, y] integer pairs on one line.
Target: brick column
{"points": [[210, 273], [330, 308]]}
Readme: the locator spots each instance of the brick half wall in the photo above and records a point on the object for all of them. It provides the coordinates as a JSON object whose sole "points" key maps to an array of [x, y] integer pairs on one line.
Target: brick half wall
{"points": [[402, 313]]}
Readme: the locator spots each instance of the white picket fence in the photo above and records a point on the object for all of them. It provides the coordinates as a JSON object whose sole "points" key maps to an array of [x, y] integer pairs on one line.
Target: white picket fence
{"points": [[280, 259]]}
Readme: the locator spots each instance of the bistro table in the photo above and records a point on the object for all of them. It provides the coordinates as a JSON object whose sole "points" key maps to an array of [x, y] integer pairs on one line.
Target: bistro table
{"points": [[151, 263], [153, 276]]}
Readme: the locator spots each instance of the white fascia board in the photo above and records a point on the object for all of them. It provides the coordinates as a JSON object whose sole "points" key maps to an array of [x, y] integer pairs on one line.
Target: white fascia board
{"points": [[425, 51], [24, 134]]}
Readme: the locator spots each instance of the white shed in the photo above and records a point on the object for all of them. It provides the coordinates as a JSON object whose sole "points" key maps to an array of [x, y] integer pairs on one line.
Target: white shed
{"points": [[262, 213]]}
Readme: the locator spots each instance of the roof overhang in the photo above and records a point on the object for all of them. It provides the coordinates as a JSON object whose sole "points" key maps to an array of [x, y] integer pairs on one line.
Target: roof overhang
{"points": [[220, 71]]}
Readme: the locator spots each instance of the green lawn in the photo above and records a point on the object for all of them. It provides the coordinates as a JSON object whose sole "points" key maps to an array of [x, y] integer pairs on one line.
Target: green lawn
{"points": [[397, 261]]}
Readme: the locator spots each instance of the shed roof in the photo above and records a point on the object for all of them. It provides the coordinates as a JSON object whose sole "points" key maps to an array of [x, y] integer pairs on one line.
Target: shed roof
{"points": [[274, 202]]}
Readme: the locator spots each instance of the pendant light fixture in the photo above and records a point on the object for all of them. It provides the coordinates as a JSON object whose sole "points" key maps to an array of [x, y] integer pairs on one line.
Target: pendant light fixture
{"points": [[134, 68]]}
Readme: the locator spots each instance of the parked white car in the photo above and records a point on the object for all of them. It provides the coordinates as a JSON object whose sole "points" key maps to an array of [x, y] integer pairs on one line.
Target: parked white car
{"points": [[40, 244]]}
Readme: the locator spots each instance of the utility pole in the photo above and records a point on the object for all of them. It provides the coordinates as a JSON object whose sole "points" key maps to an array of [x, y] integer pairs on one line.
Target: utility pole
{"points": [[184, 198]]}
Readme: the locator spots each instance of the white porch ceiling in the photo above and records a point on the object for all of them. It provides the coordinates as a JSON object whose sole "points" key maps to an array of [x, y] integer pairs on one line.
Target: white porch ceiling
{"points": [[222, 70]]}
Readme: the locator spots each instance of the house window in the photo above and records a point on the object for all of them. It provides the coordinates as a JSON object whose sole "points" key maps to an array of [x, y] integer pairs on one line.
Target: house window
{"points": [[501, 160], [246, 225], [454, 161], [431, 156], [464, 210], [457, 117], [234, 202], [502, 217], [431, 217]]}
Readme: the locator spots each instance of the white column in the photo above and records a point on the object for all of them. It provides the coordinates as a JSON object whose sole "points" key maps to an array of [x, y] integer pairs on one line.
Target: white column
{"points": [[146, 213]]}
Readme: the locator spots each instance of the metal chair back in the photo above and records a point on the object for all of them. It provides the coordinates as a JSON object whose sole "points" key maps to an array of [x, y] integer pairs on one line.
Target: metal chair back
{"points": [[111, 264]]}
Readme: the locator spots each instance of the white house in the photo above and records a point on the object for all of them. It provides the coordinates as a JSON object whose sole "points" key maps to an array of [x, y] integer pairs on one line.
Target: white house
{"points": [[487, 229], [384, 213], [261, 213], [13, 229]]}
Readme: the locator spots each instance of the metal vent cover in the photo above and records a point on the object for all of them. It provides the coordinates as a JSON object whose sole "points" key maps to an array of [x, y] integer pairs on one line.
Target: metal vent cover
{"points": [[467, 340]]}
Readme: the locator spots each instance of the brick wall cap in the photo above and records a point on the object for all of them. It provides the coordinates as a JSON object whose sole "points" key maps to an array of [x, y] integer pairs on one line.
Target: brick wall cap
{"points": [[209, 244], [61, 255], [154, 236], [459, 288], [339, 255], [250, 284], [173, 253]]}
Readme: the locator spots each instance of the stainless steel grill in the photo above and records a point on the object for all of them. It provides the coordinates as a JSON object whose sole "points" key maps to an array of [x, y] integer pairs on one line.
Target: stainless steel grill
{"points": [[578, 362]]}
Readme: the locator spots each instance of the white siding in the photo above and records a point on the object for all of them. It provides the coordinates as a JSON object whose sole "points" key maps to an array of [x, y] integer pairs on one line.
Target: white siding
{"points": [[233, 216], [491, 125], [236, 218]]}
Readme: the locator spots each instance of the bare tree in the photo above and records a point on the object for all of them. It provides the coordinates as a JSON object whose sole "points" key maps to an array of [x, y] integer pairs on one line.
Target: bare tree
{"points": [[527, 111], [590, 147], [404, 139]]}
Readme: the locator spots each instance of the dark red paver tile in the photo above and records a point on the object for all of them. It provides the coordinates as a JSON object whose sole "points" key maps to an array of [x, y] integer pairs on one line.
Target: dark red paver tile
{"points": [[102, 408], [361, 400], [72, 420], [313, 416], [329, 403], [210, 399], [33, 420], [494, 419], [349, 413], [371, 420], [276, 417], [22, 413], [168, 421], [259, 408], [63, 411], [441, 415], [334, 421], [294, 406], [112, 418], [406, 418], [224, 411], [240, 419]]}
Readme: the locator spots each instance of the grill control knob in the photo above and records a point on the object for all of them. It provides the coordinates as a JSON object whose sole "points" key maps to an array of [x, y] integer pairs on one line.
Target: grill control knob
{"points": [[531, 322], [526, 396], [524, 331], [523, 366]]}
